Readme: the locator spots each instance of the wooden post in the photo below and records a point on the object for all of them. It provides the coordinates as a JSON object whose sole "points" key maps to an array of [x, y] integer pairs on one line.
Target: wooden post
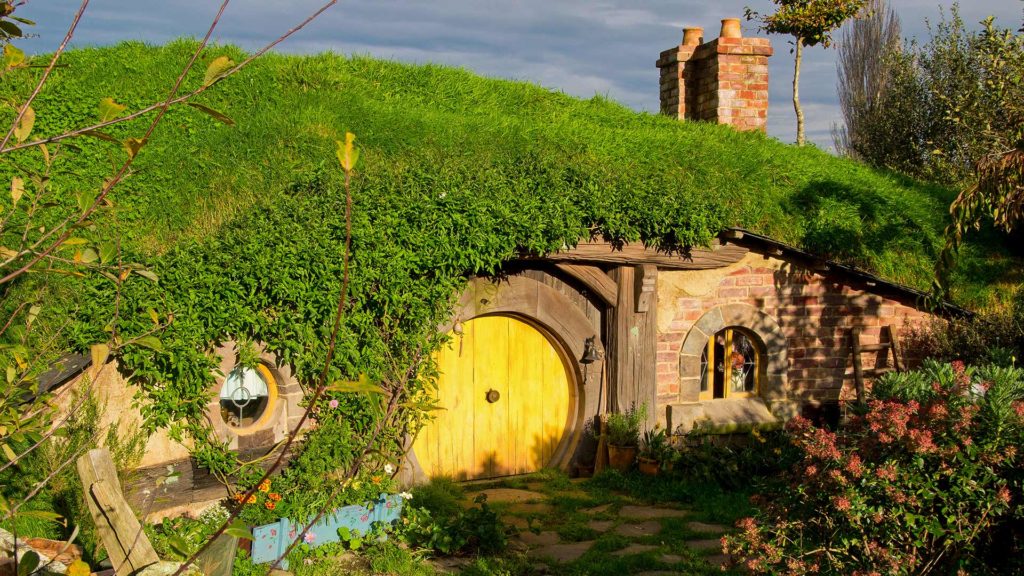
{"points": [[858, 372], [126, 544], [897, 357], [633, 341]]}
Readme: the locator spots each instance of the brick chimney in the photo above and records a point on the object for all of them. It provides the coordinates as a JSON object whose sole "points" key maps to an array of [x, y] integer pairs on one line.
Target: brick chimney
{"points": [[723, 81]]}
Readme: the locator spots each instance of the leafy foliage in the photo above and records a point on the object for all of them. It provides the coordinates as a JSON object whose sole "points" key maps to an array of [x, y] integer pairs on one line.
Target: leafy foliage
{"points": [[927, 479], [623, 428], [945, 104], [477, 529], [810, 21]]}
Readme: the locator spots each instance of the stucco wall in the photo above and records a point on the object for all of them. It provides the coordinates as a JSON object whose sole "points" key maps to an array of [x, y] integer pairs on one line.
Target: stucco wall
{"points": [[116, 398]]}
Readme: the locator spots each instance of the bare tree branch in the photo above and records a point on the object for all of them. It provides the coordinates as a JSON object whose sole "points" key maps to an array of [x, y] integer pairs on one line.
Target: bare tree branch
{"points": [[46, 74], [162, 109], [180, 99]]}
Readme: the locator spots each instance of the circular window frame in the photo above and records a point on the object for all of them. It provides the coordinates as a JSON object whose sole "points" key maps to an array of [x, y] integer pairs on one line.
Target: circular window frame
{"points": [[268, 411]]}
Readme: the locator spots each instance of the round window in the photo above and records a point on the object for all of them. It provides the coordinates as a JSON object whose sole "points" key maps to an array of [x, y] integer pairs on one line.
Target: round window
{"points": [[246, 395]]}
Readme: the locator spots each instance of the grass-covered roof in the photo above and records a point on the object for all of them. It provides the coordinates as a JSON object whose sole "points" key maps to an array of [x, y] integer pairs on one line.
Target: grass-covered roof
{"points": [[490, 165], [484, 166], [496, 164]]}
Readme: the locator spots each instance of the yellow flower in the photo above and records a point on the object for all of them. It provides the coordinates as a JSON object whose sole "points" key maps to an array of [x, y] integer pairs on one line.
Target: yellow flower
{"points": [[265, 486], [79, 568], [251, 500]]}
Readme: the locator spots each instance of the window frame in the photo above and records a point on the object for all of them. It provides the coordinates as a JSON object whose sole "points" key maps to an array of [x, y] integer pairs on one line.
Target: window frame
{"points": [[706, 389], [268, 411]]}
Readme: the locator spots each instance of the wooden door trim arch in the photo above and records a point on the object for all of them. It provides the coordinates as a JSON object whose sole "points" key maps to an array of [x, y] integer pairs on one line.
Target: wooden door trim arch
{"points": [[558, 318]]}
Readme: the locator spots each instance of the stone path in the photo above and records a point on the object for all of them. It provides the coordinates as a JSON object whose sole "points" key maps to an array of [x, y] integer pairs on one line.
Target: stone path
{"points": [[663, 534]]}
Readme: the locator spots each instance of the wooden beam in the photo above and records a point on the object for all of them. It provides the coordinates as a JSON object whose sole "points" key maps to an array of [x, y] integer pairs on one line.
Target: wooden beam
{"points": [[646, 279], [636, 253], [120, 531], [595, 279]]}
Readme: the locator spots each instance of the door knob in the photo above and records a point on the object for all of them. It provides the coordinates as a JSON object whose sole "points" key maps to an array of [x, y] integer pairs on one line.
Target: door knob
{"points": [[493, 396]]}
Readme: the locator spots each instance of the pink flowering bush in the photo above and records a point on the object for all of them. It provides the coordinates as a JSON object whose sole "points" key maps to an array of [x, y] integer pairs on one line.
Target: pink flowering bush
{"points": [[926, 480]]}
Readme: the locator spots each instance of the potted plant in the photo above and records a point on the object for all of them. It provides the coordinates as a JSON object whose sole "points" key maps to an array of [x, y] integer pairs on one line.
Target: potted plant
{"points": [[653, 449], [624, 436]]}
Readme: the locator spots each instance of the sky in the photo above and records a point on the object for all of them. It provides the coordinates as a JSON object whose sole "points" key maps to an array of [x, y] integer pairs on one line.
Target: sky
{"points": [[580, 47]]}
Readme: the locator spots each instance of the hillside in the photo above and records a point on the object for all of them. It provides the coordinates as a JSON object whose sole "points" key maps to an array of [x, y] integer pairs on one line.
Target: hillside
{"points": [[489, 165]]}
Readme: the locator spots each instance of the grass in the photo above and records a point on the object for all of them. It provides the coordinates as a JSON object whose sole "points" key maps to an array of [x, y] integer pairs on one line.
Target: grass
{"points": [[430, 132], [570, 503]]}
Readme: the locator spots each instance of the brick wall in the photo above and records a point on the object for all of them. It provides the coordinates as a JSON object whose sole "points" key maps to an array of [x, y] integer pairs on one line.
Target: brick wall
{"points": [[814, 313], [724, 81]]}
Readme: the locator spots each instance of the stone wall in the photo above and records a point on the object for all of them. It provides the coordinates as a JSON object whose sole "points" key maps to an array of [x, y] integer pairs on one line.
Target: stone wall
{"points": [[798, 312]]}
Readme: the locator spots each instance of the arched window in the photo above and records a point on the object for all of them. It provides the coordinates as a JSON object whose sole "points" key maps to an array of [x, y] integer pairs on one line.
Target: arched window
{"points": [[730, 365], [247, 396]]}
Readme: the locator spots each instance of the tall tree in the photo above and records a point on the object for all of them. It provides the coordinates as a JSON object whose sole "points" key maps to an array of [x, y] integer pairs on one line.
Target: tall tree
{"points": [[810, 23], [865, 71]]}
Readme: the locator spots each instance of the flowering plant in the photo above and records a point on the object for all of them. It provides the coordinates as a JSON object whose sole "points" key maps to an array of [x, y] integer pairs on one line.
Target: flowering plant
{"points": [[926, 479]]}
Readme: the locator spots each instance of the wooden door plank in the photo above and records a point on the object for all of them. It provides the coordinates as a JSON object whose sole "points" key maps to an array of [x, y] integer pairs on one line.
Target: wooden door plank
{"points": [[522, 394], [463, 420], [490, 368], [556, 402]]}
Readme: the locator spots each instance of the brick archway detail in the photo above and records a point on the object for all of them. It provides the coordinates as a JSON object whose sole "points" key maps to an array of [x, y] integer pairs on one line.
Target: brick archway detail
{"points": [[771, 342]]}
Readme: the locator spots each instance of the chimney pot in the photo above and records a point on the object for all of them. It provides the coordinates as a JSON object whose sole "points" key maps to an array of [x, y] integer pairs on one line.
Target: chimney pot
{"points": [[731, 28], [693, 36]]}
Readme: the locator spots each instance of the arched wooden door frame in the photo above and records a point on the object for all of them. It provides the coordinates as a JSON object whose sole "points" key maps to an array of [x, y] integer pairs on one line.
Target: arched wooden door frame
{"points": [[558, 318]]}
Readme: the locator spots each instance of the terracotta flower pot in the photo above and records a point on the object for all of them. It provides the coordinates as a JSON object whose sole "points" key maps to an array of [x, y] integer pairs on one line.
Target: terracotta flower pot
{"points": [[621, 457], [648, 466]]}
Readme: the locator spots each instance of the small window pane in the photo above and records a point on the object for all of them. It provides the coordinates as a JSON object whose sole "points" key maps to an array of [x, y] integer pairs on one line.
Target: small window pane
{"points": [[704, 370], [743, 363], [243, 397]]}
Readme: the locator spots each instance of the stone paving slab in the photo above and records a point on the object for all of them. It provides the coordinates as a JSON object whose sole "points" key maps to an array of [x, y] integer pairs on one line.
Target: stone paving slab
{"points": [[648, 528], [512, 495], [562, 553], [649, 512], [702, 545], [597, 509], [538, 540], [530, 508], [718, 560], [706, 528], [634, 549], [600, 525], [670, 558]]}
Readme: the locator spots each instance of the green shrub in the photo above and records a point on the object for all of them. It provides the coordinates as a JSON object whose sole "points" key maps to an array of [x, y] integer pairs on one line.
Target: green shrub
{"points": [[927, 479], [178, 538], [441, 497], [734, 463], [624, 427], [994, 336], [477, 529]]}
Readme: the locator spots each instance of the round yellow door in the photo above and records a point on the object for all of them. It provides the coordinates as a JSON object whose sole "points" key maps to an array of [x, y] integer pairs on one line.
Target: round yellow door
{"points": [[505, 394]]}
